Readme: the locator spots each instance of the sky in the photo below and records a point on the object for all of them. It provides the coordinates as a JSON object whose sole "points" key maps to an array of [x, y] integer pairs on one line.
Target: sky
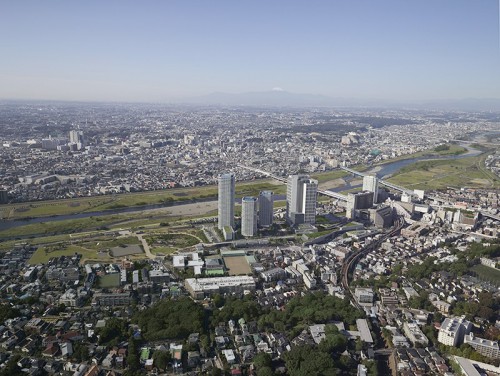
{"points": [[160, 51]]}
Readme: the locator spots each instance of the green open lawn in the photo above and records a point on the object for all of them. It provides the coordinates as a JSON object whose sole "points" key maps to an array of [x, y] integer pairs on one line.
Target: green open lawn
{"points": [[172, 241], [43, 254], [109, 280], [330, 175], [438, 174], [105, 243], [254, 188]]}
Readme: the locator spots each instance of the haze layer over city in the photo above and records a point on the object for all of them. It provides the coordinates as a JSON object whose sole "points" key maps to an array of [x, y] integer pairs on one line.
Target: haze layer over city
{"points": [[250, 188]]}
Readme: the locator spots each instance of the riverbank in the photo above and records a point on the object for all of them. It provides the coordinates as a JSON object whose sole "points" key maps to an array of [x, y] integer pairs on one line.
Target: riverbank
{"points": [[182, 205], [436, 174], [129, 202]]}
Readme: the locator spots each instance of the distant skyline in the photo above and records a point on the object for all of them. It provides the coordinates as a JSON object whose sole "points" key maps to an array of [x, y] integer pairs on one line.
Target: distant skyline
{"points": [[162, 51]]}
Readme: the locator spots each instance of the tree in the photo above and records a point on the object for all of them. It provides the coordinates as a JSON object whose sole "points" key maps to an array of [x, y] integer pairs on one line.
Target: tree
{"points": [[7, 312], [114, 331], [333, 343], [81, 352], [306, 360], [265, 371], [133, 361], [161, 359], [11, 368], [262, 360], [438, 317], [171, 319], [218, 300]]}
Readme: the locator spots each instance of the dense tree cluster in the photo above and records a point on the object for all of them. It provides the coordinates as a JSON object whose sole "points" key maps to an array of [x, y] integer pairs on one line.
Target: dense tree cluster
{"points": [[442, 147], [488, 307], [235, 309], [307, 360], [114, 332], [171, 319], [177, 318], [7, 312], [310, 309]]}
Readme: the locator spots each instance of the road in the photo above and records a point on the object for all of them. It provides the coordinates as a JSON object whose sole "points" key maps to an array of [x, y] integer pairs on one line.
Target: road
{"points": [[145, 246]]}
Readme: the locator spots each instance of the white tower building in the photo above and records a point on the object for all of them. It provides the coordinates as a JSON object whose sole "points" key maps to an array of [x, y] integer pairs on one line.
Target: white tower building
{"points": [[309, 197], [301, 199], [248, 216], [370, 183], [226, 201]]}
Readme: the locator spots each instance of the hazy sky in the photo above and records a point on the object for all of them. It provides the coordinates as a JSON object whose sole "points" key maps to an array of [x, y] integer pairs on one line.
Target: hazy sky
{"points": [[161, 50]]}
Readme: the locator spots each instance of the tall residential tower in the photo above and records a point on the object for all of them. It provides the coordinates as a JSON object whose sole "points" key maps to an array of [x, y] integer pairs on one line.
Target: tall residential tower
{"points": [[266, 206], [226, 201], [248, 216]]}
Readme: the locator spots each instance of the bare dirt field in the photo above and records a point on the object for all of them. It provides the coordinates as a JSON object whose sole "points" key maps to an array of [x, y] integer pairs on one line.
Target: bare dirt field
{"points": [[126, 250], [237, 265], [194, 209]]}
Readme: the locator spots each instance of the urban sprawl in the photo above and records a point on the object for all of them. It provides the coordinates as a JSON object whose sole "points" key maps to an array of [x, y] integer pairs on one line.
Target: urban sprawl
{"points": [[331, 268]]}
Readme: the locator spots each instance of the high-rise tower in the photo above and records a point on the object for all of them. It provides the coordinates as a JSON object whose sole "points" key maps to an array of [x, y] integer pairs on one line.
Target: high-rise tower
{"points": [[226, 200], [301, 199], [248, 216], [370, 184], [266, 207], [76, 137], [309, 197]]}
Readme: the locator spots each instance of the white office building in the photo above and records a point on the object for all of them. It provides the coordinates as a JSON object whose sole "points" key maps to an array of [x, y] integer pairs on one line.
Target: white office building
{"points": [[301, 199], [266, 208], [248, 216], [226, 201]]}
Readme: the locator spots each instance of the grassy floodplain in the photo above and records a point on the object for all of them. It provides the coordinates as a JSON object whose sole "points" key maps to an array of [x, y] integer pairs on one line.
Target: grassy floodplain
{"points": [[330, 175], [439, 174], [452, 149], [124, 200]]}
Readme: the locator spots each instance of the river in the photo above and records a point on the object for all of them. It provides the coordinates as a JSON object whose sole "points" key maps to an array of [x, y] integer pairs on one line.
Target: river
{"points": [[381, 171], [385, 170]]}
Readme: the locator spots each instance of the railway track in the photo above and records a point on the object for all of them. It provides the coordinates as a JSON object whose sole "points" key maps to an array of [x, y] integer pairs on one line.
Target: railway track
{"points": [[352, 260]]}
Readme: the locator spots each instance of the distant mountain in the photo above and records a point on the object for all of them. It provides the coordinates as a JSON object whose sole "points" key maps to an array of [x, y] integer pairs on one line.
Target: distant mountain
{"points": [[263, 98], [280, 98]]}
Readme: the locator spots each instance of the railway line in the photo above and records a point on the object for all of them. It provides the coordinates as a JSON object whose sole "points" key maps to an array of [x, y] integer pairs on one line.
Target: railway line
{"points": [[352, 260]]}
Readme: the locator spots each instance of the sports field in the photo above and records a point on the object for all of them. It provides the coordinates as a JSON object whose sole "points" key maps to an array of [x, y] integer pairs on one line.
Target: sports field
{"points": [[237, 265], [486, 273]]}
